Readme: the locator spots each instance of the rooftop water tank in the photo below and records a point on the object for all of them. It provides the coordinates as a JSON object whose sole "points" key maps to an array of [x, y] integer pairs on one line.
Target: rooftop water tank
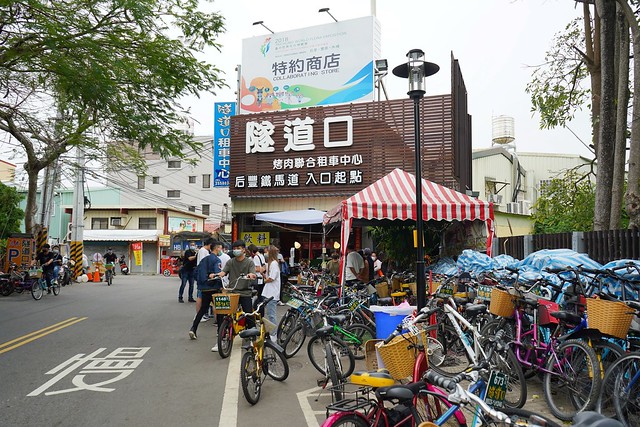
{"points": [[503, 130]]}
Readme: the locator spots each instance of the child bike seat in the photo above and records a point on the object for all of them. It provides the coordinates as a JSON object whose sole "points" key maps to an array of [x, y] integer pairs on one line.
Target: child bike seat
{"points": [[372, 379], [399, 294]]}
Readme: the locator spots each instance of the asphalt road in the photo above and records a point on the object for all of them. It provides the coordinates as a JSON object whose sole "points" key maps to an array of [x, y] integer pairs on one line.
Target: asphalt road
{"points": [[120, 355]]}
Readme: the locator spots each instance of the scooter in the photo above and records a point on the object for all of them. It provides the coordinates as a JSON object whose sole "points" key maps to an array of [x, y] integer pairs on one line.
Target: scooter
{"points": [[123, 266], [64, 277]]}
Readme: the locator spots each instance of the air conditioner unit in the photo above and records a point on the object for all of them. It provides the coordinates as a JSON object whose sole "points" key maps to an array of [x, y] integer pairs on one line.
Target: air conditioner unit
{"points": [[525, 207], [116, 222], [496, 199], [513, 207]]}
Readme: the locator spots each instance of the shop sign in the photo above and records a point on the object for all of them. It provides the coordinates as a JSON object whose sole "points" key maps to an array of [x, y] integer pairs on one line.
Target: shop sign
{"points": [[177, 225], [137, 252], [164, 240], [258, 238], [222, 142], [19, 250]]}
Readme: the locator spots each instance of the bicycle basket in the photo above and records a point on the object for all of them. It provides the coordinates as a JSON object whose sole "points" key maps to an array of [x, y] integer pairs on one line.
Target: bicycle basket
{"points": [[35, 273], [399, 355], [610, 317], [108, 266], [225, 303], [501, 303]]}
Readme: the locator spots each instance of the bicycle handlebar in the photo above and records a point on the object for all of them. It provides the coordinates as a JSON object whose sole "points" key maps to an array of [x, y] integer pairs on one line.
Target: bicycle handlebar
{"points": [[422, 316], [257, 309]]}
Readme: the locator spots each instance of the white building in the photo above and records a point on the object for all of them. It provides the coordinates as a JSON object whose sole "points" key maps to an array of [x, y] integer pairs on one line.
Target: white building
{"points": [[179, 184]]}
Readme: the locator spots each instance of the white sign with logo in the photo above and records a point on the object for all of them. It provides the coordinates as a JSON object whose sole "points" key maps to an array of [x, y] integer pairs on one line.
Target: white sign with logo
{"points": [[321, 65]]}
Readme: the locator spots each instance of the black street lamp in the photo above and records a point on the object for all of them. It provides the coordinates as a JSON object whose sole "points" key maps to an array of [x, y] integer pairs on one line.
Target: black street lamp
{"points": [[416, 69]]}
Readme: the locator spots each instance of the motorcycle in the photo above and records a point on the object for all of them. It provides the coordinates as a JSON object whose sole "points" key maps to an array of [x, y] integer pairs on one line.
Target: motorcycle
{"points": [[66, 272], [123, 266]]}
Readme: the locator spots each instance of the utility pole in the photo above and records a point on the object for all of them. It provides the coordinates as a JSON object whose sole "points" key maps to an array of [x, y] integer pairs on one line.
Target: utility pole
{"points": [[77, 216]]}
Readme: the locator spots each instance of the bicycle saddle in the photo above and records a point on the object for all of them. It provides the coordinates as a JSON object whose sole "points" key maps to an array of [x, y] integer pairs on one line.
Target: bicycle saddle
{"points": [[336, 319], [475, 309], [372, 379], [594, 419], [248, 333], [5, 276], [567, 316], [400, 392], [460, 300], [399, 294], [324, 332]]}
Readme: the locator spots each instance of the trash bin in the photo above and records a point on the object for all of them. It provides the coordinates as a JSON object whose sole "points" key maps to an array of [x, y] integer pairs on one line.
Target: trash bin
{"points": [[389, 317]]}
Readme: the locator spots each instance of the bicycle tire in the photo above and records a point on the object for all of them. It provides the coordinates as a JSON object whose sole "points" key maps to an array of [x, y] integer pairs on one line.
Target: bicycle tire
{"points": [[505, 361], [294, 341], [431, 405], [315, 351], [55, 287], [334, 374], [608, 353], [447, 355], [346, 420], [576, 385], [364, 334], [6, 288], [627, 384], [225, 337], [250, 378], [36, 290], [286, 325], [109, 277], [274, 362], [523, 417]]}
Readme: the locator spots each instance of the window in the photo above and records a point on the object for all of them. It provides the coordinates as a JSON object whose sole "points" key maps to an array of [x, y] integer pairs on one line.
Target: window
{"points": [[173, 194], [147, 223], [206, 181], [155, 180], [140, 182], [192, 179], [206, 209], [174, 164], [99, 223], [192, 208]]}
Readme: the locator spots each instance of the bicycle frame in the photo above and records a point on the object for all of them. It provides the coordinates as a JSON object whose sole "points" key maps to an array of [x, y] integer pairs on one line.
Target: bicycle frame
{"points": [[537, 346], [457, 319]]}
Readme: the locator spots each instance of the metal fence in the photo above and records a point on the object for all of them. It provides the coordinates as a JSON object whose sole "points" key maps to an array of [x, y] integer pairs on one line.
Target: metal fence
{"points": [[601, 246]]}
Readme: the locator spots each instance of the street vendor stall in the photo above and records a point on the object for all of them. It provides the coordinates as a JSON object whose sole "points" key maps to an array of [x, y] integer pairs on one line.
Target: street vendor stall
{"points": [[393, 197]]}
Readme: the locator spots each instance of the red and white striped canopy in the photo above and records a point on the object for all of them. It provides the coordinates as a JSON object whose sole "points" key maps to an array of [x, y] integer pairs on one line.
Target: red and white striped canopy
{"points": [[394, 197]]}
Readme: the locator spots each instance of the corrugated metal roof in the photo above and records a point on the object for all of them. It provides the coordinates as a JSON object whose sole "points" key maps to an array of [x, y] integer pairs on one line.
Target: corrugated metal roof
{"points": [[120, 235]]}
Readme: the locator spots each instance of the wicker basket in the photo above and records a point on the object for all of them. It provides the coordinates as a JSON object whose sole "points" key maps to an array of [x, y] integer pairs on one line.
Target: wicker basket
{"points": [[370, 356], [398, 358], [609, 317], [225, 303], [501, 303]]}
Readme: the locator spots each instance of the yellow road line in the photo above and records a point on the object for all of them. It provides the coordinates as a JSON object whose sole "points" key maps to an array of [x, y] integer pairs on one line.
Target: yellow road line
{"points": [[25, 339]]}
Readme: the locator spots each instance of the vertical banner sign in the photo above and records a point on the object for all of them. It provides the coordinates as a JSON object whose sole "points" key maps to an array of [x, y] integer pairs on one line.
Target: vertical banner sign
{"points": [[222, 142], [137, 252]]}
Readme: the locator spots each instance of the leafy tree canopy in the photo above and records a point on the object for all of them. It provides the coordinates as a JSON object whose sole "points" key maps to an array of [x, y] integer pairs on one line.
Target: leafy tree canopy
{"points": [[10, 212]]}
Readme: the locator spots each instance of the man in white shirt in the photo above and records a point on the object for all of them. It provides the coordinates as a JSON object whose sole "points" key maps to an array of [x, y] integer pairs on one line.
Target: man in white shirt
{"points": [[261, 268], [355, 264]]}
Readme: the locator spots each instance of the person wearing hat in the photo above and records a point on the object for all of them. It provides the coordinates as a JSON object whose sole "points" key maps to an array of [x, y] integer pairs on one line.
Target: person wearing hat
{"points": [[237, 266]]}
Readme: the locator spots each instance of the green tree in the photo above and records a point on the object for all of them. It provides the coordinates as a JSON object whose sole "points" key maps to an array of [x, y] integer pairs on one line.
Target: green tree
{"points": [[112, 69], [10, 212]]}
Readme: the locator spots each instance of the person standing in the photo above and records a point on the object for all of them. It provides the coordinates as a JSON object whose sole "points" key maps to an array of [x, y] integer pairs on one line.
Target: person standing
{"points": [[369, 262], [355, 265], [377, 265], [261, 268], [208, 283], [272, 286], [237, 266], [333, 266], [203, 252], [189, 261]]}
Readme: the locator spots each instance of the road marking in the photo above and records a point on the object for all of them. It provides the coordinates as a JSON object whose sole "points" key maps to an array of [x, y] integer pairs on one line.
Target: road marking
{"points": [[25, 339], [229, 411], [307, 410]]}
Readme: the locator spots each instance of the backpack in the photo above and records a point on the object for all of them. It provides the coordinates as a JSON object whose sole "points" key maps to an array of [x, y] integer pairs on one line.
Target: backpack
{"points": [[284, 268]]}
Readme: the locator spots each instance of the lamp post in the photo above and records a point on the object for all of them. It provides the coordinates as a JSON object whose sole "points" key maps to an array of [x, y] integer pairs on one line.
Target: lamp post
{"points": [[415, 70]]}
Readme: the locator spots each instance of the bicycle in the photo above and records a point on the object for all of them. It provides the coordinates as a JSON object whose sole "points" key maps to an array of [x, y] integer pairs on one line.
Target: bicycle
{"points": [[231, 325], [39, 285], [622, 381], [262, 357], [108, 273]]}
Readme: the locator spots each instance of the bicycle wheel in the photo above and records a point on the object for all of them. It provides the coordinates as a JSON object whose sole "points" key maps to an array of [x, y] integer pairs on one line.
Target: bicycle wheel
{"points": [[225, 337], [316, 348], [505, 361], [334, 371], [608, 353], [627, 385], [345, 420], [286, 325], [431, 405], [36, 290], [447, 355], [250, 378], [109, 277], [573, 382], [6, 288], [55, 287], [274, 362], [294, 341], [522, 417], [362, 334]]}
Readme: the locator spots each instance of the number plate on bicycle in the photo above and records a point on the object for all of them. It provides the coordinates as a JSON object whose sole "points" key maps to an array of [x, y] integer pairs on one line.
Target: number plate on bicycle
{"points": [[221, 302], [484, 292], [295, 303], [497, 389], [354, 304]]}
